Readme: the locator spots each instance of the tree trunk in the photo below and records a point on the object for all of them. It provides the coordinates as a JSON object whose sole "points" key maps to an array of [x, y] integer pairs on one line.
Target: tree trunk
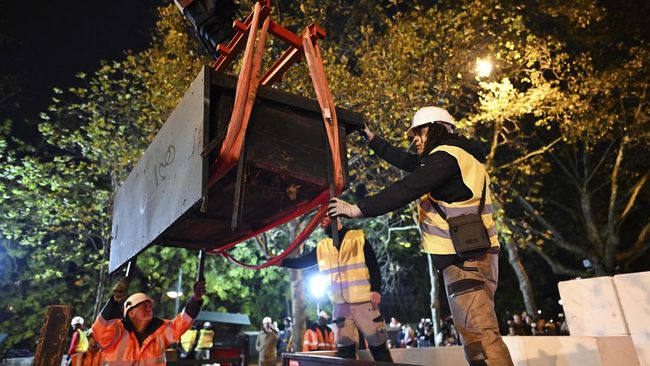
{"points": [[522, 277], [525, 286], [298, 305], [434, 279], [101, 284], [298, 308], [102, 280]]}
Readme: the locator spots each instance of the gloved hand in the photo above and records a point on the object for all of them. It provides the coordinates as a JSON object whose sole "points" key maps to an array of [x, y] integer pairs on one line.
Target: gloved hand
{"points": [[121, 290], [375, 299], [340, 208], [198, 290]]}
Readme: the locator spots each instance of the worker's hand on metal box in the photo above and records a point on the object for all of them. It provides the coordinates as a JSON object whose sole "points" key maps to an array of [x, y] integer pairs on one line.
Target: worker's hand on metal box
{"points": [[369, 135], [121, 290], [340, 208], [199, 290]]}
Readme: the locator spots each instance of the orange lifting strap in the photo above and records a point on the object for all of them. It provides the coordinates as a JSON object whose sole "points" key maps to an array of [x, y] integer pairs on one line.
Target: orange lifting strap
{"points": [[247, 85]]}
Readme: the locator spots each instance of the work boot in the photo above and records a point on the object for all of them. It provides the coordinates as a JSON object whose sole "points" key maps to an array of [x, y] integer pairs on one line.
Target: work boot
{"points": [[349, 352], [381, 353]]}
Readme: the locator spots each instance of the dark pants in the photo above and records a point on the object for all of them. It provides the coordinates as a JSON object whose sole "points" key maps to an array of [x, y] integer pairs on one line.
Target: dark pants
{"points": [[470, 290]]}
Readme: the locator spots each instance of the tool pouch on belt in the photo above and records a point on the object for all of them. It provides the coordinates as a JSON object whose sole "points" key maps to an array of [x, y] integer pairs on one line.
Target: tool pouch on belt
{"points": [[468, 233]]}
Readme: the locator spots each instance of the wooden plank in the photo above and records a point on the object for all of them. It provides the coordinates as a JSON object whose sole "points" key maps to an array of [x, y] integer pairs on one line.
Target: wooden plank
{"points": [[54, 334]]}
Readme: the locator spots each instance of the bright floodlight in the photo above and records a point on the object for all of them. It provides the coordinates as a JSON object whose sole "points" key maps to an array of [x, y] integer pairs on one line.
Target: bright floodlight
{"points": [[483, 67], [318, 285], [174, 294]]}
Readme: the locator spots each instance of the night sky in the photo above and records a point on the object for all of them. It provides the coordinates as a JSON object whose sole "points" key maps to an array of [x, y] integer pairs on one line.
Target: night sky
{"points": [[44, 43]]}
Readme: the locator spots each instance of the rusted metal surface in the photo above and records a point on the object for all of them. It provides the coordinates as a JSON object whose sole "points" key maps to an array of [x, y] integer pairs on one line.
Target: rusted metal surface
{"points": [[54, 333], [168, 180], [285, 168]]}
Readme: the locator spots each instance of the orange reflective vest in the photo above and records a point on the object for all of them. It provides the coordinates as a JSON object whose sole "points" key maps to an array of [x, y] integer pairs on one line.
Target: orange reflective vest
{"points": [[435, 230], [349, 279], [315, 340], [87, 359], [121, 347]]}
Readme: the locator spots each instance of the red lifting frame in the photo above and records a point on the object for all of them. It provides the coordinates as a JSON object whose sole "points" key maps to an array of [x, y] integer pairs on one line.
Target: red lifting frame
{"points": [[247, 85]]}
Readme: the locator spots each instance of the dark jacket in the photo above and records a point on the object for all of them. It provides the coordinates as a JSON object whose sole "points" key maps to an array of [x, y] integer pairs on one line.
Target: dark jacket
{"points": [[437, 174], [311, 259]]}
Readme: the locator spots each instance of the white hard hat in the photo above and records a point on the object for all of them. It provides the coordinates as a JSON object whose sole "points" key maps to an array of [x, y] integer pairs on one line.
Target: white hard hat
{"points": [[207, 325], [135, 300], [323, 314], [267, 320], [77, 320], [426, 115]]}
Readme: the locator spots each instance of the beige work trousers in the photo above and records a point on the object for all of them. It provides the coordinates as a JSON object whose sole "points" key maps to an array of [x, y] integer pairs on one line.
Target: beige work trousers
{"points": [[470, 289], [362, 316]]}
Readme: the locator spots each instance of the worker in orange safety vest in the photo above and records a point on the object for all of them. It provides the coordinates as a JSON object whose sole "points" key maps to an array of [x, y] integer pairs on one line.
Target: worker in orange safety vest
{"points": [[93, 355], [132, 336], [319, 337]]}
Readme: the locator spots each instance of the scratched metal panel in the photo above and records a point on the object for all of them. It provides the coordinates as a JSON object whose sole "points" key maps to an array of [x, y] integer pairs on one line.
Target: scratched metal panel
{"points": [[169, 179]]}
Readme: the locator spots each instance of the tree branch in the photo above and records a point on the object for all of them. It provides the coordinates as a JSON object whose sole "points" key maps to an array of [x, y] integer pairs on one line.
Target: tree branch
{"points": [[556, 267], [531, 154], [611, 220], [600, 162], [641, 245], [634, 192], [558, 238], [566, 170], [494, 144], [262, 244]]}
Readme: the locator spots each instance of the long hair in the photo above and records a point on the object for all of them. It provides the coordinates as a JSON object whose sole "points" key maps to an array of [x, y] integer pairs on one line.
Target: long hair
{"points": [[436, 134]]}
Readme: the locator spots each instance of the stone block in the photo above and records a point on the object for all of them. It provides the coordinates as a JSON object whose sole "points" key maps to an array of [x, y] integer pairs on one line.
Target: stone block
{"points": [[592, 308]]}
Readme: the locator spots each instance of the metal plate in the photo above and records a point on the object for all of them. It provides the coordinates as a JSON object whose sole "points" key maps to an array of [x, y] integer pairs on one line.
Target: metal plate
{"points": [[169, 179]]}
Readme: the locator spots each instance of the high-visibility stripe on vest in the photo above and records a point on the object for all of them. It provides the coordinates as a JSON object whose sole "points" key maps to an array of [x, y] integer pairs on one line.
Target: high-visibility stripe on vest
{"points": [[435, 230], [205, 338], [349, 279], [82, 344]]}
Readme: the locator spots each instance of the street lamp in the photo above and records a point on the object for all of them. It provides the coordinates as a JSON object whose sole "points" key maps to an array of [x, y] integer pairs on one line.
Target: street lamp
{"points": [[318, 286], [483, 67], [173, 294], [177, 292]]}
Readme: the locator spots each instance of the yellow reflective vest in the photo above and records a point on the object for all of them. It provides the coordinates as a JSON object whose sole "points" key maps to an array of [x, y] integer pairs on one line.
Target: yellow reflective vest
{"points": [[346, 268], [205, 338], [435, 230], [82, 344], [187, 340]]}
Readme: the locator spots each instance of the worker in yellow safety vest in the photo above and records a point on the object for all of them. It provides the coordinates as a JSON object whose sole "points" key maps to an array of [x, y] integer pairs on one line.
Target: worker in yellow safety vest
{"points": [[354, 288], [204, 345], [79, 342], [93, 355], [187, 343], [450, 182]]}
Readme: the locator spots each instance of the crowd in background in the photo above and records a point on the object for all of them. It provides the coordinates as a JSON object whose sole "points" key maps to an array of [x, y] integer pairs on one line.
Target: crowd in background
{"points": [[423, 335], [520, 324]]}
